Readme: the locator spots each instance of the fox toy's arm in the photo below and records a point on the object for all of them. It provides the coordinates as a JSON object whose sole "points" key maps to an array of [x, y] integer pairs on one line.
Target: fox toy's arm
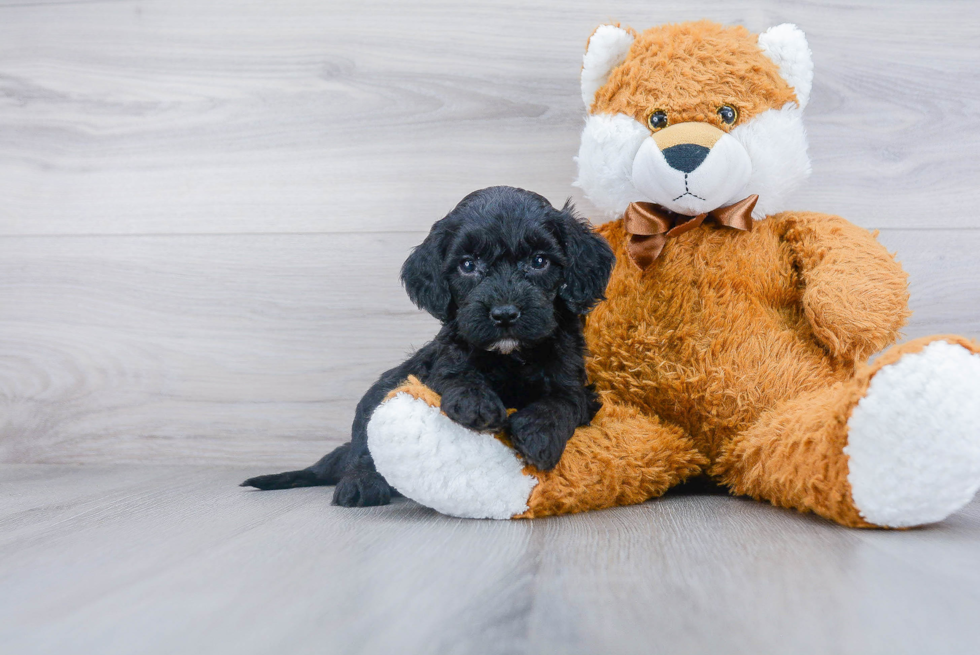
{"points": [[855, 293]]}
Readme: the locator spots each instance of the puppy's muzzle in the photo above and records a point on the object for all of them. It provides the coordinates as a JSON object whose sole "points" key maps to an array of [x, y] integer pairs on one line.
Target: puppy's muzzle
{"points": [[504, 315]]}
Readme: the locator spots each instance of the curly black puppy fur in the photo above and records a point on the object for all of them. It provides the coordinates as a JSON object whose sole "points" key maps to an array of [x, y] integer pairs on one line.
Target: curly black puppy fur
{"points": [[510, 277]]}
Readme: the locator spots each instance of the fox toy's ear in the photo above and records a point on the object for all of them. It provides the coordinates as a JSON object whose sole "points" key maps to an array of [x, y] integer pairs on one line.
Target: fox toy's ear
{"points": [[606, 49], [589, 262], [423, 275], [786, 46]]}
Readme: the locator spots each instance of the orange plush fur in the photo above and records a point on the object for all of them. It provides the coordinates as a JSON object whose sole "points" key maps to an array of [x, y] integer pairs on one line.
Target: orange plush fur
{"points": [[676, 67], [732, 335]]}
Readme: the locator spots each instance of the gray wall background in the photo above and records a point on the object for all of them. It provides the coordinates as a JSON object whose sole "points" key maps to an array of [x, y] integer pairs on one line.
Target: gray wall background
{"points": [[204, 204]]}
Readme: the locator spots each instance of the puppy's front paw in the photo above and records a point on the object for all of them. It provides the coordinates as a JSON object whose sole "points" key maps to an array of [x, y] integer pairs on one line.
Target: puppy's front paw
{"points": [[362, 489], [534, 437], [475, 408]]}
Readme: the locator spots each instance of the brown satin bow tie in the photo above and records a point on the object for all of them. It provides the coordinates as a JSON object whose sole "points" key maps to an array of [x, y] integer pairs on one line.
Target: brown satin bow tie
{"points": [[649, 226]]}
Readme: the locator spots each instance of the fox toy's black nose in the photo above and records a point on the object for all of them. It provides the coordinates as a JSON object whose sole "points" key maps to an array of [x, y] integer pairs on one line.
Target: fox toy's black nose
{"points": [[504, 315], [685, 157]]}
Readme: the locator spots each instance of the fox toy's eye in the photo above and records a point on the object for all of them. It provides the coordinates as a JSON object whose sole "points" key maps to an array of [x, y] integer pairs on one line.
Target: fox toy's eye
{"points": [[467, 265], [728, 114], [657, 120], [539, 262]]}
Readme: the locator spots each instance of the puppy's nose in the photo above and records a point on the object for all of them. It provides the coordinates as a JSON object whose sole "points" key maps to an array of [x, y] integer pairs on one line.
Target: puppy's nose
{"points": [[685, 157], [504, 315]]}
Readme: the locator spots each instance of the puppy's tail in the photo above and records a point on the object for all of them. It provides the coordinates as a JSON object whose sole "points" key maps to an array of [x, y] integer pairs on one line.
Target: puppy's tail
{"points": [[325, 472]]}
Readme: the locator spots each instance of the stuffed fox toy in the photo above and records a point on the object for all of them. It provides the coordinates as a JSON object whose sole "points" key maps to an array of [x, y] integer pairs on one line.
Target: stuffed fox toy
{"points": [[735, 338]]}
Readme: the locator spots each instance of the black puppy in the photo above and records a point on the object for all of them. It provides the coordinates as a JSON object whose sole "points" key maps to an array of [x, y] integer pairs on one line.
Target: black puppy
{"points": [[509, 276]]}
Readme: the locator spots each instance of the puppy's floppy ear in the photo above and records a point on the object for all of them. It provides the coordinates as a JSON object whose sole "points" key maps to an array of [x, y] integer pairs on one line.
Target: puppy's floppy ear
{"points": [[589, 262], [422, 275]]}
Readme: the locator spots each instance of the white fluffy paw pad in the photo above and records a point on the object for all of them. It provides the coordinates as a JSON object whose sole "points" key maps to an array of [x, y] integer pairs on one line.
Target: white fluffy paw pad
{"points": [[442, 465], [914, 439]]}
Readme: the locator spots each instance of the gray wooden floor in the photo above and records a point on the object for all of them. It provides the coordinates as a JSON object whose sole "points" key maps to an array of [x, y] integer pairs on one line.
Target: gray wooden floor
{"points": [[120, 559], [203, 208]]}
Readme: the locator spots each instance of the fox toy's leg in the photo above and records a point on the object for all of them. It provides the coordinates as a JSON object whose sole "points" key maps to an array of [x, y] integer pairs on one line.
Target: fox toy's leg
{"points": [[623, 458], [896, 446]]}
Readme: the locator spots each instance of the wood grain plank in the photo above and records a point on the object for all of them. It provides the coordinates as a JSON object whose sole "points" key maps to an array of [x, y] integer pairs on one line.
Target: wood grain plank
{"points": [[302, 116], [704, 574], [943, 281], [346, 585], [179, 559], [255, 348], [218, 341]]}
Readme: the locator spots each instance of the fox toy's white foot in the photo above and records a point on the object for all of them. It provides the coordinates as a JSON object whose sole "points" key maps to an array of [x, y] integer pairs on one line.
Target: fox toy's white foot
{"points": [[440, 464], [914, 439]]}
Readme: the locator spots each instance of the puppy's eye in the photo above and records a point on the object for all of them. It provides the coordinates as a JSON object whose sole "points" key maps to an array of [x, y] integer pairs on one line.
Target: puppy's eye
{"points": [[657, 120], [468, 265], [539, 262], [728, 114]]}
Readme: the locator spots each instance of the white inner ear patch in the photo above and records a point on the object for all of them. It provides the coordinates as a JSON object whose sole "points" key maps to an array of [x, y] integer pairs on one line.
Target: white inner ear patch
{"points": [[913, 441], [607, 49], [785, 45]]}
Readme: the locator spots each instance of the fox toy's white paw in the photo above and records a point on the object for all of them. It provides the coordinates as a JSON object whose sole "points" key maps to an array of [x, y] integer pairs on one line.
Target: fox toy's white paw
{"points": [[440, 464], [914, 439]]}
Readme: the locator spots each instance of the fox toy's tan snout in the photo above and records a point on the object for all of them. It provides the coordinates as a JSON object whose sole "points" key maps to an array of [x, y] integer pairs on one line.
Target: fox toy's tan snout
{"points": [[697, 134], [686, 145]]}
